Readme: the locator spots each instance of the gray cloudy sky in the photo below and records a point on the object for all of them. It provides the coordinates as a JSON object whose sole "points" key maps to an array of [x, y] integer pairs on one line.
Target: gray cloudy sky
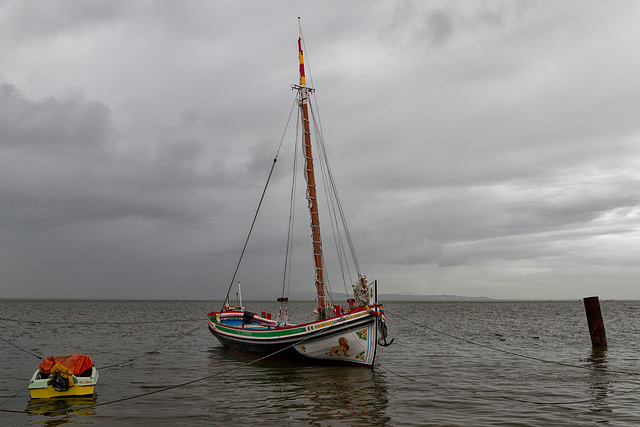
{"points": [[480, 147]]}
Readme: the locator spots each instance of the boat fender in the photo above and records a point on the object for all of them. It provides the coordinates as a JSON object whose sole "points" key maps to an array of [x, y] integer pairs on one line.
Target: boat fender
{"points": [[374, 312]]}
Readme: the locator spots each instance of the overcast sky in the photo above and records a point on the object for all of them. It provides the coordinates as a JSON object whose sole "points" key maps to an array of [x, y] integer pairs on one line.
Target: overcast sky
{"points": [[481, 148]]}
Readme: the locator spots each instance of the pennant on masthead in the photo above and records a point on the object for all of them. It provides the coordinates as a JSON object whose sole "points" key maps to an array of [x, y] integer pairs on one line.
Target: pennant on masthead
{"points": [[302, 79]]}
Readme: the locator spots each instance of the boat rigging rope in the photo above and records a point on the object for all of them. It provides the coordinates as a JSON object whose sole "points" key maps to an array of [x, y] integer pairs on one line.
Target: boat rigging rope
{"points": [[255, 217], [288, 258], [327, 176], [335, 207]]}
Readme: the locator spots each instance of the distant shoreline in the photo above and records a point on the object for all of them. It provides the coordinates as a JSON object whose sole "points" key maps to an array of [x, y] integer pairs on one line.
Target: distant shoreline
{"points": [[339, 297]]}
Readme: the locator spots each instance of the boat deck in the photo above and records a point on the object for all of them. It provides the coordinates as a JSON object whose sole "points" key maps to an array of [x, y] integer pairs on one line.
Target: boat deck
{"points": [[237, 322]]}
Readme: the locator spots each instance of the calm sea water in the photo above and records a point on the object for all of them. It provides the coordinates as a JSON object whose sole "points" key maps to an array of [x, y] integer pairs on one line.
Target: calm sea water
{"points": [[493, 363]]}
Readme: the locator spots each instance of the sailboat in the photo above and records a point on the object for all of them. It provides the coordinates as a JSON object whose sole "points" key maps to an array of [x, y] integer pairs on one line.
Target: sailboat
{"points": [[343, 334]]}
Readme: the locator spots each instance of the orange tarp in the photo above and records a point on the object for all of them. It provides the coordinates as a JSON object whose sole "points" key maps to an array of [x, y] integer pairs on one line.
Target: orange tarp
{"points": [[76, 363]]}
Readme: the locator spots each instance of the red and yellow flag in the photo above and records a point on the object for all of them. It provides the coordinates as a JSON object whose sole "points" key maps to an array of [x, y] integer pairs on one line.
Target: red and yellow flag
{"points": [[302, 79]]}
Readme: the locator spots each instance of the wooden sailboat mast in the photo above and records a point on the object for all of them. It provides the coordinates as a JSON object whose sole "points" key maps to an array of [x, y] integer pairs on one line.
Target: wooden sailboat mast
{"points": [[303, 91]]}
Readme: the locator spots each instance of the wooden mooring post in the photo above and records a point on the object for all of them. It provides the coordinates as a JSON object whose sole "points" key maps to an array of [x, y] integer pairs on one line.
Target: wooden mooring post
{"points": [[596, 324]]}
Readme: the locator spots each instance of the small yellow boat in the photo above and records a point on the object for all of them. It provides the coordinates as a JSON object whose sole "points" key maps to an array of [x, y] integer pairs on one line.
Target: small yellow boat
{"points": [[64, 375]]}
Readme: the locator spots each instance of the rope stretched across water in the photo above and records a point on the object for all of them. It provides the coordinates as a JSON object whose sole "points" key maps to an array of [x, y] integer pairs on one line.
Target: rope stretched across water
{"points": [[512, 353], [132, 322], [131, 360], [225, 372], [538, 359], [119, 363], [573, 402], [20, 348]]}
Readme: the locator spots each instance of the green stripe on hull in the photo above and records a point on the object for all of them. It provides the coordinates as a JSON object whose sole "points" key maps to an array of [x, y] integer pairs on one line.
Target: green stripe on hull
{"points": [[270, 333], [275, 333]]}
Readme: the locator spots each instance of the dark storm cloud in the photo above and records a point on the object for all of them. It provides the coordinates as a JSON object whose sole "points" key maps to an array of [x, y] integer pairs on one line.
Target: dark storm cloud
{"points": [[479, 147], [72, 199], [50, 123]]}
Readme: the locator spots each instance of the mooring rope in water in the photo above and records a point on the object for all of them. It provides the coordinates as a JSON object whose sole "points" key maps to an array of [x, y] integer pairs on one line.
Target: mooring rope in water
{"points": [[133, 359], [512, 353], [20, 348], [14, 411], [14, 395], [344, 322], [22, 388], [119, 363], [395, 373], [132, 322], [68, 410], [536, 359], [574, 402], [225, 372]]}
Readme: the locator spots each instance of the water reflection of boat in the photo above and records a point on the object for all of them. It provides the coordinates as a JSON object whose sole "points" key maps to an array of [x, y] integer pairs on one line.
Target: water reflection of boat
{"points": [[68, 406], [365, 403], [64, 375], [303, 393]]}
